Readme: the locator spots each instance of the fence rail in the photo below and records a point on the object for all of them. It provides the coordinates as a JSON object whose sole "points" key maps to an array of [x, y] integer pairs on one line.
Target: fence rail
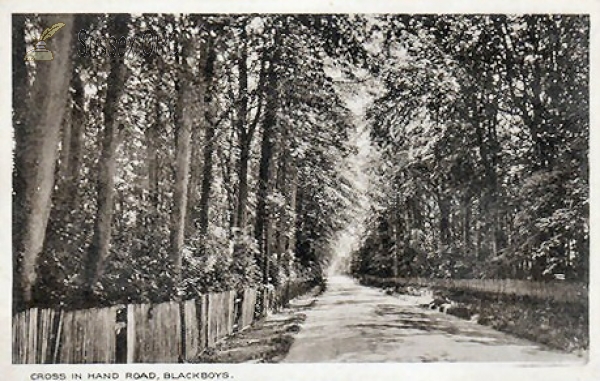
{"points": [[564, 292], [142, 333]]}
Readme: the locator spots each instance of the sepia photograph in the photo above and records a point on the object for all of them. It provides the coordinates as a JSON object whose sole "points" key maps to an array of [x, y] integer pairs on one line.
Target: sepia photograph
{"points": [[253, 188]]}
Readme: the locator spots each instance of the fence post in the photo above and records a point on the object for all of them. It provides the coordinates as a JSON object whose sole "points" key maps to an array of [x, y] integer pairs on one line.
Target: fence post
{"points": [[54, 359], [182, 328], [204, 320], [130, 334]]}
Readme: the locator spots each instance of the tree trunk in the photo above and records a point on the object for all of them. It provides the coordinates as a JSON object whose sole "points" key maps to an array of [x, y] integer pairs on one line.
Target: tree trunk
{"points": [[444, 206], [207, 180], [479, 234], [36, 149], [245, 138], [70, 154], [241, 215], [226, 164], [151, 137], [398, 236], [183, 132], [207, 175], [100, 247], [195, 181], [19, 70], [20, 98], [65, 149], [285, 187], [73, 132], [264, 182], [466, 206], [75, 144], [485, 114]]}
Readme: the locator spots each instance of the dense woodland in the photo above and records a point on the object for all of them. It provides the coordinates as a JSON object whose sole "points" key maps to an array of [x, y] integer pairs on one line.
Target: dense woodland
{"points": [[482, 128], [215, 161], [208, 164]]}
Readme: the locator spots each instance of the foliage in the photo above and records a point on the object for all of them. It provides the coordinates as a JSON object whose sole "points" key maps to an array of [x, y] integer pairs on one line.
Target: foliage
{"points": [[483, 164], [197, 73]]}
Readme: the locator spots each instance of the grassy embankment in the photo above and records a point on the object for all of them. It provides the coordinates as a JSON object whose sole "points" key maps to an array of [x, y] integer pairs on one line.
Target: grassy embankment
{"points": [[562, 325]]}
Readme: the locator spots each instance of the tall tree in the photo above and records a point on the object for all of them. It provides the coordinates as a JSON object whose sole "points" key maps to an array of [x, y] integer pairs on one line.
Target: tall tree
{"points": [[211, 125], [19, 101], [36, 154], [118, 25], [183, 131], [268, 147]]}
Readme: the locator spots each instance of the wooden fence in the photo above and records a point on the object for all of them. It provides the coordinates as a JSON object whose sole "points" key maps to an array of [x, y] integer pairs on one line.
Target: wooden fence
{"points": [[559, 291], [141, 333]]}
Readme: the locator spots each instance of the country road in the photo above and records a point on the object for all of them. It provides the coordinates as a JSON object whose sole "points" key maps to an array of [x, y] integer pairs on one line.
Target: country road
{"points": [[354, 323]]}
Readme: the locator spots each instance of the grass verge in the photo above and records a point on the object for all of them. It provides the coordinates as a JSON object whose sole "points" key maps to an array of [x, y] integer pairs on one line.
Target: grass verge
{"points": [[559, 325], [563, 326], [266, 341]]}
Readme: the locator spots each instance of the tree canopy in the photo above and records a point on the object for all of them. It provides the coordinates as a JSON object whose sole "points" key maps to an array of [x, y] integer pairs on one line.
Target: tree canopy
{"points": [[483, 129], [215, 152]]}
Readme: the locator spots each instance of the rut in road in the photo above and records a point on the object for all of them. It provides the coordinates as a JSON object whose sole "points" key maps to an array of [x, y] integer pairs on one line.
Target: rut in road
{"points": [[354, 323]]}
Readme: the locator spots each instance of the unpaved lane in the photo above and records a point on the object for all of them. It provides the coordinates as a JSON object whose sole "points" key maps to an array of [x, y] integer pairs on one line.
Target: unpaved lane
{"points": [[353, 323]]}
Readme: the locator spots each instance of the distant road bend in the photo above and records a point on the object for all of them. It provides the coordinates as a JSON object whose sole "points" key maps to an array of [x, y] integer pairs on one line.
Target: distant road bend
{"points": [[354, 323]]}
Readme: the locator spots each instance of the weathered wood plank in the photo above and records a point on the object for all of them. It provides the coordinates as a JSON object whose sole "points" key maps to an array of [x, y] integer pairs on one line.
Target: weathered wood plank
{"points": [[192, 332], [154, 332]]}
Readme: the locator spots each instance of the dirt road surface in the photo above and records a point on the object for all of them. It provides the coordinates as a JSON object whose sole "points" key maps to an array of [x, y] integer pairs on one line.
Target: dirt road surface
{"points": [[354, 323]]}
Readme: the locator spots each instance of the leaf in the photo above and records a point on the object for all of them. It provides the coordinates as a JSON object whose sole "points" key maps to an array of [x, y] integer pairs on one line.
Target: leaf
{"points": [[49, 32]]}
